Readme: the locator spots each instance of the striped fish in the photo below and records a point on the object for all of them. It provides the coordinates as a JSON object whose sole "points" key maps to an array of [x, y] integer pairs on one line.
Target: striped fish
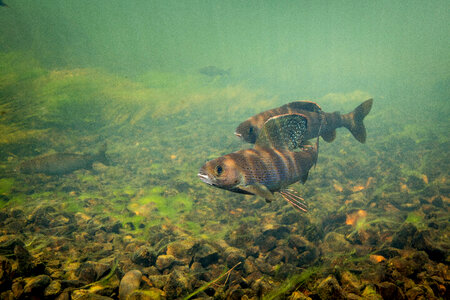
{"points": [[319, 123], [264, 170]]}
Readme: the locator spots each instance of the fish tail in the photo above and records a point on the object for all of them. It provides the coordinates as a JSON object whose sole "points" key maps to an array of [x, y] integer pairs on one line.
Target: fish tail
{"points": [[354, 121], [101, 155]]}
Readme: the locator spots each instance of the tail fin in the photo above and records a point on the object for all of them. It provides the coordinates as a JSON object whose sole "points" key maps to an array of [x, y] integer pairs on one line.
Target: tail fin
{"points": [[354, 120], [101, 155]]}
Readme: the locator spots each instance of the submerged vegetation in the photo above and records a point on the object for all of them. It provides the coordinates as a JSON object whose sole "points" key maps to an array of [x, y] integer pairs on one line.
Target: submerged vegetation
{"points": [[377, 206]]}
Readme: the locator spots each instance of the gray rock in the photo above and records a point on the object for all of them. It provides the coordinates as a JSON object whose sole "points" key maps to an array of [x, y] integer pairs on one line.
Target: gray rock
{"points": [[129, 283]]}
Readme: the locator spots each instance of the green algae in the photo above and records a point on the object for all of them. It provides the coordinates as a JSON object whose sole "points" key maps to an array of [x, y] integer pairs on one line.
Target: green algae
{"points": [[154, 203], [416, 219], [294, 282], [6, 185]]}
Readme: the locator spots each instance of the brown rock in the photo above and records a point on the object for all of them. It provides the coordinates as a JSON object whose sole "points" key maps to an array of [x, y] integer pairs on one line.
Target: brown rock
{"points": [[388, 290], [420, 291], [144, 256], [130, 282], [164, 261]]}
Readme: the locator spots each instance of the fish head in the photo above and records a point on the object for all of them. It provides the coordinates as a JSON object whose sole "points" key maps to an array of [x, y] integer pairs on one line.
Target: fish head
{"points": [[221, 172], [247, 131]]}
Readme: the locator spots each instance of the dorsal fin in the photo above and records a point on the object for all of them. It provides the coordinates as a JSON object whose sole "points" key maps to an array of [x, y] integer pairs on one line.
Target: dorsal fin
{"points": [[283, 132], [304, 105]]}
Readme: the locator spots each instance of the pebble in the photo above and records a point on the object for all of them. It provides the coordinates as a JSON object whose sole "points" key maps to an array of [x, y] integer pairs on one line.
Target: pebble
{"points": [[164, 261], [130, 282]]}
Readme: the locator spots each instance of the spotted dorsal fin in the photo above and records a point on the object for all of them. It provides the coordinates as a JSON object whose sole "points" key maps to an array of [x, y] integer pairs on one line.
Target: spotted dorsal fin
{"points": [[283, 132]]}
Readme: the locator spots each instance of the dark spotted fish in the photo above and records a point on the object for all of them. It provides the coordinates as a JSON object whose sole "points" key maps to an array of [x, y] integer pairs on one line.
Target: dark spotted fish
{"points": [[319, 123], [264, 170], [213, 71], [62, 163]]}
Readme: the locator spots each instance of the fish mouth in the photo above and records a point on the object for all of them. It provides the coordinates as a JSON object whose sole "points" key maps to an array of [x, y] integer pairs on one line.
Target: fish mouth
{"points": [[205, 178], [238, 135]]}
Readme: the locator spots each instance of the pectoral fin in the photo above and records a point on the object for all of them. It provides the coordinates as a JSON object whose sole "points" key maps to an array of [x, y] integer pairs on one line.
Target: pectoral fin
{"points": [[259, 190]]}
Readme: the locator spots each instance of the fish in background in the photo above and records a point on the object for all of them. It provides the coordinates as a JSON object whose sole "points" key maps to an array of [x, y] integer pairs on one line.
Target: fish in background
{"points": [[213, 71], [3, 4], [62, 163], [264, 169], [319, 122]]}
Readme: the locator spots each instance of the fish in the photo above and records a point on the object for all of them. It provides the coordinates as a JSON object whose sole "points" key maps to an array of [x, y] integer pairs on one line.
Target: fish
{"points": [[319, 122], [213, 71], [3, 4], [264, 170], [62, 163]]}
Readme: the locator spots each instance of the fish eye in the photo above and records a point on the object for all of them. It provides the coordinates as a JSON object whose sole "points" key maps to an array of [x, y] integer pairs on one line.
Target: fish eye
{"points": [[250, 130], [219, 170]]}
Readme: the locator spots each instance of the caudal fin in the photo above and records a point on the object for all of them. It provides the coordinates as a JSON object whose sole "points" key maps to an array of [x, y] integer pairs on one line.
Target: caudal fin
{"points": [[354, 120]]}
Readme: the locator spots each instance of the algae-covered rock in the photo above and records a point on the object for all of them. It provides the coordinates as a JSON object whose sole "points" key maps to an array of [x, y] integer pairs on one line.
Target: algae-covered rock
{"points": [[177, 285], [420, 291], [233, 256], [206, 254], [182, 250], [150, 294], [144, 256], [369, 292], [36, 285], [53, 289], [297, 295], [403, 237], [5, 273], [129, 283], [329, 289], [389, 290], [350, 282], [86, 295], [335, 243]]}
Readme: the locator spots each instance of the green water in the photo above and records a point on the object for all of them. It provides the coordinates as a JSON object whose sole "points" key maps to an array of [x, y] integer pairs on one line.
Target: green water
{"points": [[74, 74]]}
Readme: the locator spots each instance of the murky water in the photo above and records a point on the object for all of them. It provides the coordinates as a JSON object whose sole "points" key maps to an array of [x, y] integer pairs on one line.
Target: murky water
{"points": [[165, 84]]}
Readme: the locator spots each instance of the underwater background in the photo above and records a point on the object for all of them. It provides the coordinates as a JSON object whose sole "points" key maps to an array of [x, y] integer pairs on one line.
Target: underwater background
{"points": [[164, 84]]}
